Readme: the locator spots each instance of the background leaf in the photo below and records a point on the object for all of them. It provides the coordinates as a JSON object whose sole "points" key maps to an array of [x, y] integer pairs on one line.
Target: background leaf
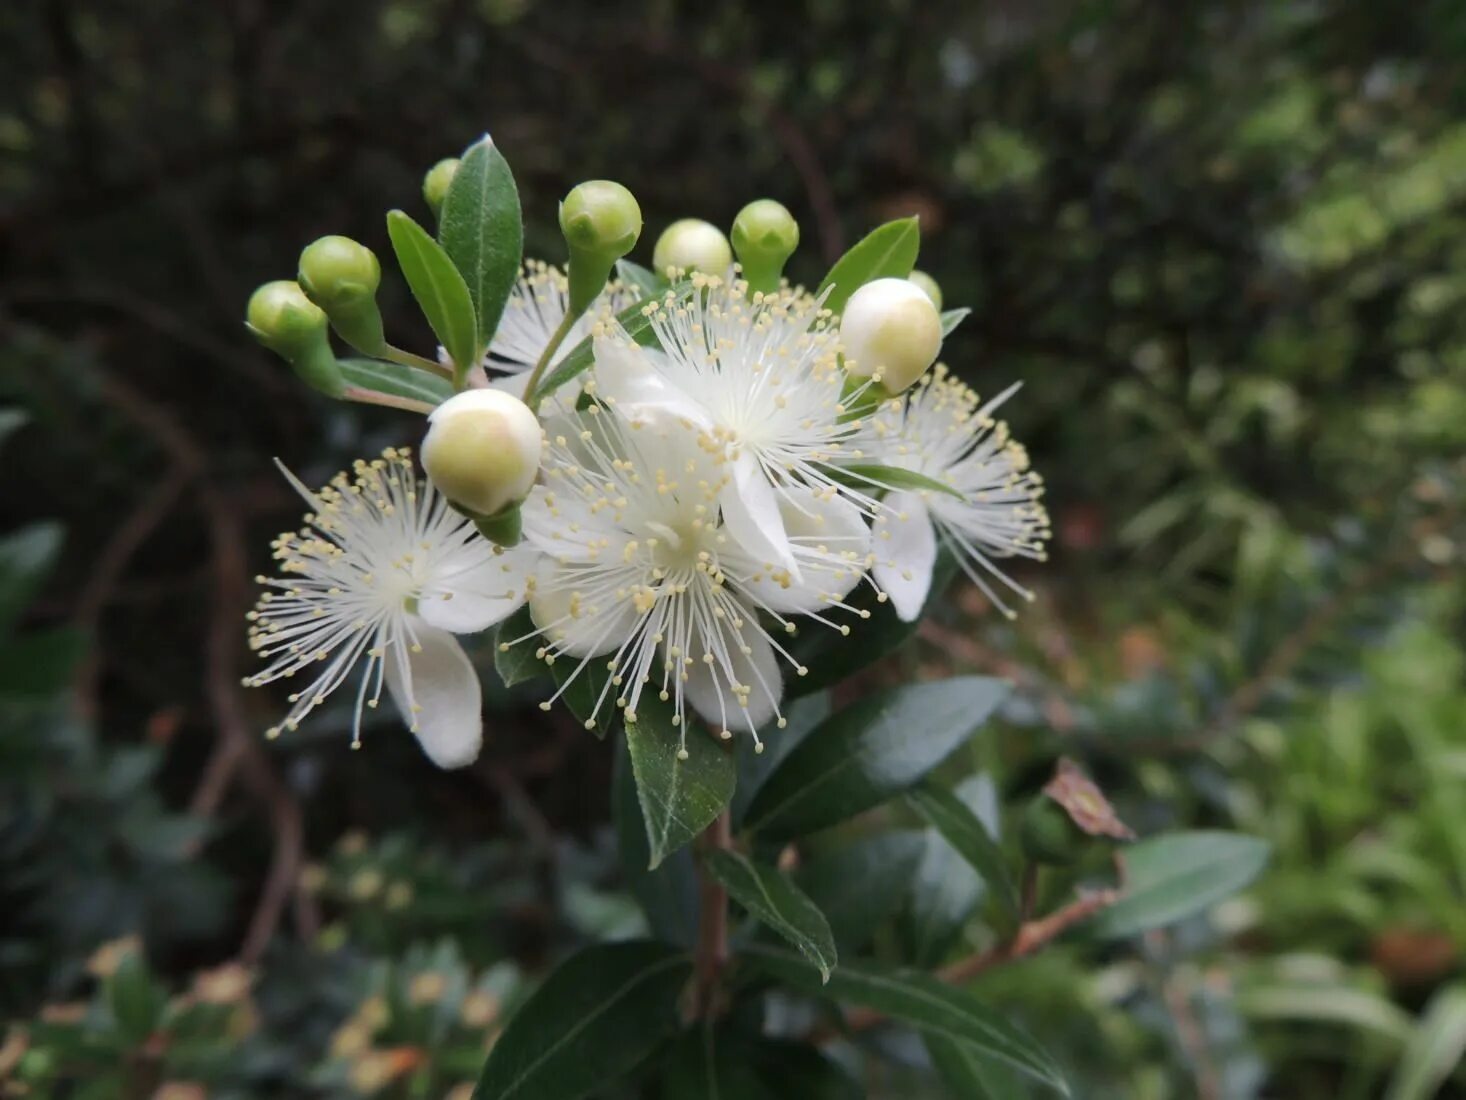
{"points": [[946, 891], [1436, 1048], [596, 1015], [971, 1074], [1168, 878], [861, 884], [872, 750], [26, 557], [946, 812], [888, 251], [482, 230], [438, 287], [667, 895], [869, 475], [392, 378], [951, 319], [769, 896], [802, 716]]}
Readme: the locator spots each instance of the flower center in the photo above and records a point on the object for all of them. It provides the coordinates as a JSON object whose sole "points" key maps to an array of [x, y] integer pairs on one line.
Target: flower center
{"points": [[675, 546]]}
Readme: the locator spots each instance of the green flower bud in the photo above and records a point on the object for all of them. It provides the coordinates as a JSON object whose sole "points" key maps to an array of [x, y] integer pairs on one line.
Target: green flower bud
{"points": [[692, 245], [342, 276], [1048, 834], [765, 235], [601, 222], [890, 331], [929, 285], [482, 451], [435, 184], [284, 320]]}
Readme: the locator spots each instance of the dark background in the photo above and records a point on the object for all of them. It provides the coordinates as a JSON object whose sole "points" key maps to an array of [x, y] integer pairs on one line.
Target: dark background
{"points": [[1221, 244]]}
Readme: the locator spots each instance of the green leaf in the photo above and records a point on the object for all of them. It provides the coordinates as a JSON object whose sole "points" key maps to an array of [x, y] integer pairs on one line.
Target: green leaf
{"points": [[858, 886], [578, 360], [517, 664], [794, 1069], [136, 1000], [951, 319], [438, 288], [972, 1073], [11, 421], [708, 1064], [668, 895], [482, 231], [946, 891], [394, 379], [864, 475], [922, 1001], [584, 687], [802, 716], [944, 811], [830, 657], [869, 752], [1328, 1004], [1171, 877], [40, 664], [889, 251], [646, 283], [679, 798], [26, 558], [598, 1014], [1436, 1048], [771, 898]]}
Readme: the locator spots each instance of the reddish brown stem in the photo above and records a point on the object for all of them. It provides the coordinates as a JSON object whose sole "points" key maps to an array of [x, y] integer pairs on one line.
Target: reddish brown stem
{"points": [[711, 955]]}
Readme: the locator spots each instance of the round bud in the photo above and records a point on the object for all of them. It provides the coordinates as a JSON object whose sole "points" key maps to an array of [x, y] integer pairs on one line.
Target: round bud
{"points": [[482, 450], [336, 270], [435, 183], [890, 329], [765, 235], [1047, 834], [692, 245], [929, 287], [284, 320], [602, 218]]}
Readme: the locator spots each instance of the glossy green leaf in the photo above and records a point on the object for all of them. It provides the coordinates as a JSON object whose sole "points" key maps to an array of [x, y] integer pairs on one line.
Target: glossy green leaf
{"points": [[951, 319], [921, 1000], [481, 229], [770, 897], [515, 661], [679, 798], [946, 891], [868, 475], [26, 558], [598, 1014], [869, 752], [1171, 877], [645, 282], [667, 895], [944, 811], [973, 1074], [438, 287], [859, 885], [712, 1064], [802, 716], [397, 380], [888, 251], [1435, 1049], [830, 657]]}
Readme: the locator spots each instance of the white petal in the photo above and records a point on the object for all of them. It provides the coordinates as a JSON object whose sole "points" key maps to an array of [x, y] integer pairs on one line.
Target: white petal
{"points": [[751, 515], [578, 627], [441, 682], [626, 376], [708, 691], [477, 597], [836, 526], [905, 551]]}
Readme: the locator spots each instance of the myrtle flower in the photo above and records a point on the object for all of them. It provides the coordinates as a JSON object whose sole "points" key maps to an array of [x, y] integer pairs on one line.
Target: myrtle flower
{"points": [[383, 574], [759, 379], [641, 568], [535, 309], [944, 432]]}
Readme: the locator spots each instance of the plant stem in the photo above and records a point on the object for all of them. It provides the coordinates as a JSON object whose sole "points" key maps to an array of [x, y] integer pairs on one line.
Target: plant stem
{"points": [[711, 954], [408, 359], [391, 401], [531, 388]]}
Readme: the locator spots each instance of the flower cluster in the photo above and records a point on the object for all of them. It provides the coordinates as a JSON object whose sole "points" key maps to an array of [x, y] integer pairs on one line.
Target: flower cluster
{"points": [[736, 461]]}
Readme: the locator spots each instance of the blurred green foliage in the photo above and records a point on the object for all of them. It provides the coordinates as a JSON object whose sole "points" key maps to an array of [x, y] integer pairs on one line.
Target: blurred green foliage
{"points": [[1224, 247]]}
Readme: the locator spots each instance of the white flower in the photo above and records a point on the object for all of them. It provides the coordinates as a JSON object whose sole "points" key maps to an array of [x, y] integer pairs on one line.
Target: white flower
{"points": [[639, 568], [384, 573], [535, 309], [759, 380], [942, 431]]}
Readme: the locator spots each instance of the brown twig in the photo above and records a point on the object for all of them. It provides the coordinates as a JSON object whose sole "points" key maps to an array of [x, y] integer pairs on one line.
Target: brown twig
{"points": [[711, 954]]}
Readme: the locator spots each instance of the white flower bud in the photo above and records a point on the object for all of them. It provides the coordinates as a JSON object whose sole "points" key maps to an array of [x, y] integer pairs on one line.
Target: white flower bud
{"points": [[890, 330], [692, 245], [482, 450]]}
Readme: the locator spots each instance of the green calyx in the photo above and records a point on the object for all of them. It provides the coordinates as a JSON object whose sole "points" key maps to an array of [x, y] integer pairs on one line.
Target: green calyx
{"points": [[436, 183], [504, 528], [928, 285], [342, 276], [283, 319], [601, 222], [1049, 835], [765, 235]]}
